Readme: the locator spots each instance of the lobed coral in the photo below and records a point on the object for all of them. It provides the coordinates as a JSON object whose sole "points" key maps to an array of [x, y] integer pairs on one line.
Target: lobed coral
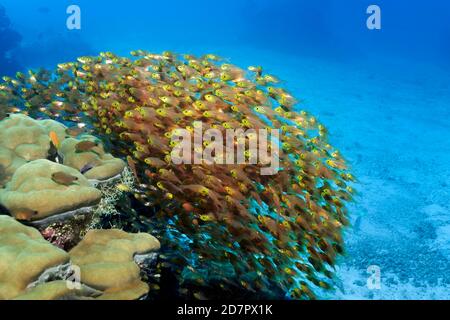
{"points": [[106, 261], [27, 195], [61, 199], [24, 256], [224, 228], [22, 139], [101, 266], [27, 176], [103, 166]]}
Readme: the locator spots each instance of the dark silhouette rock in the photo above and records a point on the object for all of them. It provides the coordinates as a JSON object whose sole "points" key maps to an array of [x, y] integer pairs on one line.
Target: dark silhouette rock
{"points": [[9, 40]]}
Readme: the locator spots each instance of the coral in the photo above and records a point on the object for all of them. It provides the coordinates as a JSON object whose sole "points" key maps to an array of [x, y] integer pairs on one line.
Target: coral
{"points": [[65, 234], [105, 258], [225, 228], [112, 194], [28, 193], [26, 177], [24, 256], [58, 290], [32, 268], [104, 165], [22, 139], [56, 237], [62, 199]]}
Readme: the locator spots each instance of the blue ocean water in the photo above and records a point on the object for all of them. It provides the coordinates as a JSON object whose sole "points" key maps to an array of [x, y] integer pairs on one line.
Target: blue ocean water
{"points": [[384, 95]]}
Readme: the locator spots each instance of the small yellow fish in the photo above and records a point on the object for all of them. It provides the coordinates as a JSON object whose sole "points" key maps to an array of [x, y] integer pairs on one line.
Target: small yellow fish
{"points": [[123, 187], [54, 139], [206, 217], [270, 78]]}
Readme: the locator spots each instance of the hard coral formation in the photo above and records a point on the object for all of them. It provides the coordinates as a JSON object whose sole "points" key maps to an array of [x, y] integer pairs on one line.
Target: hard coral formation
{"points": [[22, 139], [30, 190], [40, 191], [33, 195], [33, 269], [99, 165], [58, 290], [24, 256], [225, 227], [105, 258]]}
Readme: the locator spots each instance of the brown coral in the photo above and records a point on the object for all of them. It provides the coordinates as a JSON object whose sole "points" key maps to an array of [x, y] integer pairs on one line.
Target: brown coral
{"points": [[22, 139], [32, 194], [24, 256], [105, 259], [97, 164], [103, 263]]}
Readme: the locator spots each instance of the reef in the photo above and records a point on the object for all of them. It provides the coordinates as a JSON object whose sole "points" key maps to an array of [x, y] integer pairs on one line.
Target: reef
{"points": [[224, 229], [27, 195], [24, 255], [106, 261], [49, 248], [30, 179], [101, 266]]}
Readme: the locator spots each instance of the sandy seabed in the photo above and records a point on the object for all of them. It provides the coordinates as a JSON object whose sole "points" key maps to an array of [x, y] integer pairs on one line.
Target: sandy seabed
{"points": [[391, 120]]}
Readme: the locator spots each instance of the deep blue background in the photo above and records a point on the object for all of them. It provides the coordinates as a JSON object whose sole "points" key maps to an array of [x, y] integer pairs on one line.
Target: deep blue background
{"points": [[335, 28]]}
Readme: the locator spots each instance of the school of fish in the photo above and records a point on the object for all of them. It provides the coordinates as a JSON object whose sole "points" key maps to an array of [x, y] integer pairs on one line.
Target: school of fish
{"points": [[223, 228]]}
